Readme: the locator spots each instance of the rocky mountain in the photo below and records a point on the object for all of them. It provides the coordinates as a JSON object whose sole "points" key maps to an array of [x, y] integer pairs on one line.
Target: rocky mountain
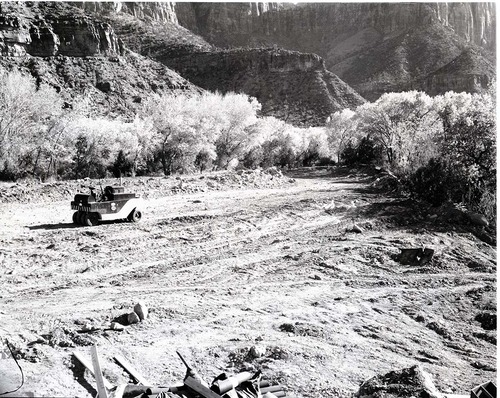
{"points": [[291, 85], [77, 54], [374, 47]]}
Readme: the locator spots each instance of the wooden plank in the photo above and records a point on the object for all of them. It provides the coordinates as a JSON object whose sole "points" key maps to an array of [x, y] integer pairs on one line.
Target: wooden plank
{"points": [[90, 368], [131, 370], [101, 387], [195, 385]]}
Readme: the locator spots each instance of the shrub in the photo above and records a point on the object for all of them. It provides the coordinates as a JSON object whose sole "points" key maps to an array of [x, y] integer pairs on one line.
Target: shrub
{"points": [[432, 183], [365, 151], [122, 166]]}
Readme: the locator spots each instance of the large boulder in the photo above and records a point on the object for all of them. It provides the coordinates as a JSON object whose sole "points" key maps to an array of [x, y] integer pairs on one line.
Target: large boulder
{"points": [[408, 382]]}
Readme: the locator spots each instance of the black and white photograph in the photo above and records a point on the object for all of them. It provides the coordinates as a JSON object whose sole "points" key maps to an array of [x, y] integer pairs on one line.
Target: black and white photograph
{"points": [[248, 200]]}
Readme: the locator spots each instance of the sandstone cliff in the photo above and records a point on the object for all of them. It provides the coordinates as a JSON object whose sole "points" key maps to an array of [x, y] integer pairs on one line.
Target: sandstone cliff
{"points": [[78, 54], [289, 84], [365, 44], [292, 86], [43, 29], [303, 24]]}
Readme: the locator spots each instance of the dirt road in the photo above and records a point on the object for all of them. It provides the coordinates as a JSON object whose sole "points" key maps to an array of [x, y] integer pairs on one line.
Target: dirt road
{"points": [[223, 271]]}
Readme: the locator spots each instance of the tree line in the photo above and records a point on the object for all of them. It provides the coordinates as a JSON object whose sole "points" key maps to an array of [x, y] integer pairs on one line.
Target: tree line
{"points": [[443, 147]]}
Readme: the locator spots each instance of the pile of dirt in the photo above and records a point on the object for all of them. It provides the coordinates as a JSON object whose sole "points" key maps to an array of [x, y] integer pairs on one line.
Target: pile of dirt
{"points": [[408, 382], [148, 187]]}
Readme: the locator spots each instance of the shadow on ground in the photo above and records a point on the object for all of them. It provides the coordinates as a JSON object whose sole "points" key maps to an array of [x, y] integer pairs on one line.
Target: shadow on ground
{"points": [[50, 227], [341, 174]]}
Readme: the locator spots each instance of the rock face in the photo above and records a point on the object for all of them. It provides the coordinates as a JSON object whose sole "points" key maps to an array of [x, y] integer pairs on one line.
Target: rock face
{"points": [[115, 86], [76, 53], [156, 11], [31, 28], [468, 72], [303, 24], [290, 85], [374, 47]]}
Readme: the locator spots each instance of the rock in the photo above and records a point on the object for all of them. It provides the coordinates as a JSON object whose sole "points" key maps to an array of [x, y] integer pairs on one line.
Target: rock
{"points": [[87, 327], [408, 382], [287, 327], [414, 257], [104, 86], [133, 318], [488, 320], [356, 228], [141, 310], [477, 219], [438, 328], [257, 351], [116, 326]]}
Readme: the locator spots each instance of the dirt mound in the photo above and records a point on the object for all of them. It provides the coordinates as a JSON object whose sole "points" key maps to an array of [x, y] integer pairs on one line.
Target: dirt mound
{"points": [[148, 187]]}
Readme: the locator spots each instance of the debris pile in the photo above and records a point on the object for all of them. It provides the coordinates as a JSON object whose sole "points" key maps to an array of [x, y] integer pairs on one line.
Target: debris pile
{"points": [[241, 385]]}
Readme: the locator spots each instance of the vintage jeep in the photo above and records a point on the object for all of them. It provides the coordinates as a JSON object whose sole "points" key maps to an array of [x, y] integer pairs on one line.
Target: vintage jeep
{"points": [[111, 204]]}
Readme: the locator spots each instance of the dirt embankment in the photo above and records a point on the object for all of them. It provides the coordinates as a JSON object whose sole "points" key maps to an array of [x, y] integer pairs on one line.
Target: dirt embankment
{"points": [[149, 187], [300, 280]]}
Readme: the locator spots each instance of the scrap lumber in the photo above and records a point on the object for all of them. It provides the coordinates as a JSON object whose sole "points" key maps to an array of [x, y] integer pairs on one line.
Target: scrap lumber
{"points": [[223, 386], [200, 388], [90, 368], [101, 386], [131, 370]]}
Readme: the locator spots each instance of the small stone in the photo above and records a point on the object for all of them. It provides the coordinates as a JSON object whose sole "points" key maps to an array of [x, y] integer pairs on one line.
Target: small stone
{"points": [[478, 219], [356, 228], [133, 318], [141, 310], [257, 351], [87, 326], [116, 326]]}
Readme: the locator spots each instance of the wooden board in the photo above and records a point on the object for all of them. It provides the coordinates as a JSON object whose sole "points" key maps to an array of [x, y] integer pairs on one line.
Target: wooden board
{"points": [[195, 385], [90, 368], [99, 378], [131, 370]]}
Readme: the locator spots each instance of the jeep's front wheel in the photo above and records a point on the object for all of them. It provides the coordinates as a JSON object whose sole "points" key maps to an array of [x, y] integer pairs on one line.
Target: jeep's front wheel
{"points": [[135, 216]]}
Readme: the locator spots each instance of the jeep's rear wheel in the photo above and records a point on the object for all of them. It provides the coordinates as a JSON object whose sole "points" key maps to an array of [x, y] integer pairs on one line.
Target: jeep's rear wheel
{"points": [[135, 216], [81, 218]]}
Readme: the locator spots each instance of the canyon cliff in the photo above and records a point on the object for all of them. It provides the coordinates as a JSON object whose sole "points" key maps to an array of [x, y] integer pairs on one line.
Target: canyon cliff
{"points": [[374, 47], [290, 85], [79, 55]]}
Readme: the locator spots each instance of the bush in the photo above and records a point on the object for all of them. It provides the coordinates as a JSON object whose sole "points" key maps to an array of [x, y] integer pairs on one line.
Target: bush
{"points": [[432, 183], [366, 151], [253, 158], [122, 166]]}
